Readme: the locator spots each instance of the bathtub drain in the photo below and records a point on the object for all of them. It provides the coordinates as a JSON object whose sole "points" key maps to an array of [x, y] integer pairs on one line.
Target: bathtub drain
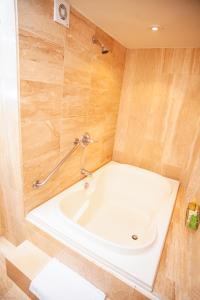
{"points": [[134, 237]]}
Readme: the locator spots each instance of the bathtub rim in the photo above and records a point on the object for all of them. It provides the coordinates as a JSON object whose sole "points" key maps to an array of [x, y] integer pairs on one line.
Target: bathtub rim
{"points": [[131, 280]]}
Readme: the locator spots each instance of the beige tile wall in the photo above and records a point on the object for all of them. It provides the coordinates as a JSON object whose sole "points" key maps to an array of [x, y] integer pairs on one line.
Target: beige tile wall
{"points": [[11, 204], [159, 129], [159, 118], [2, 221], [67, 87]]}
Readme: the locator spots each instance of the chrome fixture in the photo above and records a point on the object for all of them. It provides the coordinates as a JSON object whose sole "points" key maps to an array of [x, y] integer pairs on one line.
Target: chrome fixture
{"points": [[134, 237], [83, 141], [104, 50], [86, 172]]}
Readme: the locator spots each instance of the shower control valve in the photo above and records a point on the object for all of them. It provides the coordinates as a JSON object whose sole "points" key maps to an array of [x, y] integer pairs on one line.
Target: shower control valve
{"points": [[85, 140]]}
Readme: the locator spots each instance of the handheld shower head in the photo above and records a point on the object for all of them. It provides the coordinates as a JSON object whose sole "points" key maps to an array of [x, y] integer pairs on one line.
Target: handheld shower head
{"points": [[104, 50]]}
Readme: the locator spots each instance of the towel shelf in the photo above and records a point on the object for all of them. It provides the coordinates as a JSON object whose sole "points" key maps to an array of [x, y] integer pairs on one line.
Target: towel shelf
{"points": [[24, 263]]}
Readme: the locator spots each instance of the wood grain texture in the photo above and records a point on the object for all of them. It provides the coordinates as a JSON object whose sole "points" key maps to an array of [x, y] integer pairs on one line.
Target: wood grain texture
{"points": [[2, 221], [67, 87], [8, 290], [19, 278], [159, 118], [24, 263], [11, 203], [178, 277], [159, 129]]}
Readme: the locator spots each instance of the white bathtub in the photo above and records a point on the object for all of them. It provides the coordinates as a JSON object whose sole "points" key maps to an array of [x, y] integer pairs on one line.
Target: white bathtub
{"points": [[120, 221]]}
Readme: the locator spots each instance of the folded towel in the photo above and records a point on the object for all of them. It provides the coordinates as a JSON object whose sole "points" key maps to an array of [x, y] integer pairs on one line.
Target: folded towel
{"points": [[57, 282]]}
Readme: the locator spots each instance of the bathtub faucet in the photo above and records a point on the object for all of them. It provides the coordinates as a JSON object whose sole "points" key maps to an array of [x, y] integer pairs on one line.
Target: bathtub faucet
{"points": [[86, 172], [88, 175]]}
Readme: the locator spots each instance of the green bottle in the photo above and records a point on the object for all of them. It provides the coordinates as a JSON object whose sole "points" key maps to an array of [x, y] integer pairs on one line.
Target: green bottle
{"points": [[192, 216]]}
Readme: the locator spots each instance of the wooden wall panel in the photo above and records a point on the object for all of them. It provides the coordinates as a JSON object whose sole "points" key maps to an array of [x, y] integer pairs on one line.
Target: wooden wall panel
{"points": [[159, 118], [67, 87]]}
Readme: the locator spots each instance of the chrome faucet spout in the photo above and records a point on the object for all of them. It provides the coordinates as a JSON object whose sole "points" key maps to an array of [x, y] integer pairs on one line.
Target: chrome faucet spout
{"points": [[86, 172]]}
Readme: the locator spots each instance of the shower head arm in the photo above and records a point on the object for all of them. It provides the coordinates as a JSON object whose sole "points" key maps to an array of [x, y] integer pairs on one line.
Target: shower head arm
{"points": [[96, 41], [104, 50]]}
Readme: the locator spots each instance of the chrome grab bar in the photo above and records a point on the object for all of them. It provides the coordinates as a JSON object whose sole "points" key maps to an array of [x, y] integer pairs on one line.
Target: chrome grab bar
{"points": [[83, 141]]}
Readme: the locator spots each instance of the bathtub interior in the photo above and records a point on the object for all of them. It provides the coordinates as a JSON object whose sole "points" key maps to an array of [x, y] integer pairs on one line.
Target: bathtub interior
{"points": [[93, 221], [119, 206], [130, 185]]}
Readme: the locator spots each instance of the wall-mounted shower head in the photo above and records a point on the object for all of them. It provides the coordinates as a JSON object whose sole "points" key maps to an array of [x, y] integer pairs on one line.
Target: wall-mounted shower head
{"points": [[104, 50]]}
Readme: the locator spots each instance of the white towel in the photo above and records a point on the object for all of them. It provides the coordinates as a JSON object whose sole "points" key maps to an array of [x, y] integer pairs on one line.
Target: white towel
{"points": [[57, 282]]}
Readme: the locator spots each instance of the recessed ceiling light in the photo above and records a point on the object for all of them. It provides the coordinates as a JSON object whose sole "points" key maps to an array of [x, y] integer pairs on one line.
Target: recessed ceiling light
{"points": [[155, 27]]}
